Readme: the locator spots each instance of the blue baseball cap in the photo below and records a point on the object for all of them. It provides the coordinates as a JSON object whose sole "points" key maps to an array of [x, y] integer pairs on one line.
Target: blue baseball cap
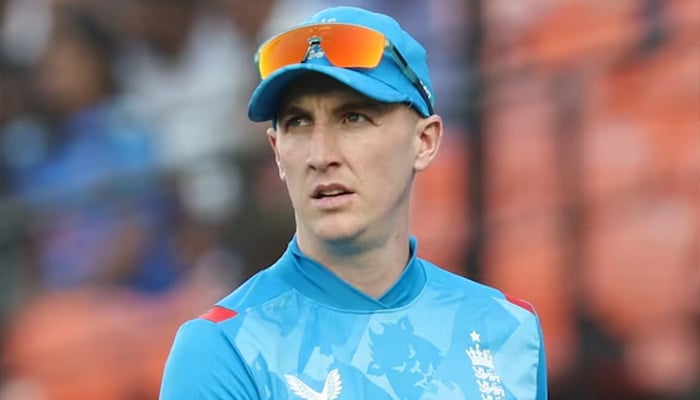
{"points": [[386, 83]]}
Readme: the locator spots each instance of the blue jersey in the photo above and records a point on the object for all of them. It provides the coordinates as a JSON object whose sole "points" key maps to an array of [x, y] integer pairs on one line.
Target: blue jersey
{"points": [[297, 331]]}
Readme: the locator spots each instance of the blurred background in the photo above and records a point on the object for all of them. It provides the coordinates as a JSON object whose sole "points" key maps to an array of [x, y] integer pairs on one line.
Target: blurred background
{"points": [[134, 192]]}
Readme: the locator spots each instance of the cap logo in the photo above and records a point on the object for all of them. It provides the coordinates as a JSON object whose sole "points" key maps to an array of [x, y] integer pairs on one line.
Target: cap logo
{"points": [[315, 50]]}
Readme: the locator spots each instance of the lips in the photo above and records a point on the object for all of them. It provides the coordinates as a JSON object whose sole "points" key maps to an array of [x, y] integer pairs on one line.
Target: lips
{"points": [[329, 190]]}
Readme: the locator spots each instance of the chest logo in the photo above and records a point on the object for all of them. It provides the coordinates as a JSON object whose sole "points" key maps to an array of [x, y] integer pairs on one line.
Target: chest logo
{"points": [[331, 388], [484, 370]]}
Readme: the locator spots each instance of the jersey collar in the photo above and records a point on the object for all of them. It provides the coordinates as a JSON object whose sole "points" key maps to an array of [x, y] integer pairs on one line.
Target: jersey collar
{"points": [[317, 282]]}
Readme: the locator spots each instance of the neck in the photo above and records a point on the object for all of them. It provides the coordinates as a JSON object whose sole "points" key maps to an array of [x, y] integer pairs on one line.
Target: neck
{"points": [[372, 268]]}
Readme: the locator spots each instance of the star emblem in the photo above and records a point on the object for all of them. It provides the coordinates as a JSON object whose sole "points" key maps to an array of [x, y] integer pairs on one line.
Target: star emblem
{"points": [[475, 336]]}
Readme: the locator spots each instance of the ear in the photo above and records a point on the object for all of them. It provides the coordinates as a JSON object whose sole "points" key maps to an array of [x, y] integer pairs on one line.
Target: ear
{"points": [[272, 138], [428, 136]]}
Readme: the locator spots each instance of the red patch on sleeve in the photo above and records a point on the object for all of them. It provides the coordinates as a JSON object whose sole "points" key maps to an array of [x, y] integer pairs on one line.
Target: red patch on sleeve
{"points": [[522, 303], [218, 314]]}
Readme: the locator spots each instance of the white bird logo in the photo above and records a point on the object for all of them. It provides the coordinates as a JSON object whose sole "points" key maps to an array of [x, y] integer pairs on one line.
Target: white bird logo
{"points": [[331, 389]]}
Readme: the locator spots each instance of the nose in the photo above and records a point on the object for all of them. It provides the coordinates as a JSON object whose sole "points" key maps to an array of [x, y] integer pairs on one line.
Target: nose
{"points": [[323, 149]]}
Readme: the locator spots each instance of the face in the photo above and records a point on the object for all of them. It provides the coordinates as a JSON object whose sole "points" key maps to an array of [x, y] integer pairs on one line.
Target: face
{"points": [[348, 161]]}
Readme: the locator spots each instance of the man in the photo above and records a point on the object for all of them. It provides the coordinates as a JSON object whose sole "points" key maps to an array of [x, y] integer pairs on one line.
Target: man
{"points": [[349, 311]]}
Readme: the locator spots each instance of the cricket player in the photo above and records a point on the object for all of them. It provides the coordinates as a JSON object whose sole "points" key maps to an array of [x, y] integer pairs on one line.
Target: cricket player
{"points": [[349, 311]]}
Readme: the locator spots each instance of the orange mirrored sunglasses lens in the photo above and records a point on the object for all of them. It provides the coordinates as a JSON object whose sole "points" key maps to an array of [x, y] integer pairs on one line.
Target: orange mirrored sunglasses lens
{"points": [[345, 46]]}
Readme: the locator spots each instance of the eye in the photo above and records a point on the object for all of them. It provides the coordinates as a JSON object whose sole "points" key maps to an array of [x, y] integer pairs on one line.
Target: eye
{"points": [[354, 117], [296, 121]]}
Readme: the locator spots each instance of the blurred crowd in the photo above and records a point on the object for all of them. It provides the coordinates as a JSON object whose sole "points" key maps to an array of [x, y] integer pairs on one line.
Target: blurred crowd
{"points": [[134, 192]]}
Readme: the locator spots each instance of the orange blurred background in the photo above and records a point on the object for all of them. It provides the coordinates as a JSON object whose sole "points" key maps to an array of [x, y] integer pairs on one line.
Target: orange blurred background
{"points": [[134, 192]]}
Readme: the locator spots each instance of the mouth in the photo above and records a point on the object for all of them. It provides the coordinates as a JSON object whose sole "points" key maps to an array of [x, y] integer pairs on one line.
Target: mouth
{"points": [[329, 191]]}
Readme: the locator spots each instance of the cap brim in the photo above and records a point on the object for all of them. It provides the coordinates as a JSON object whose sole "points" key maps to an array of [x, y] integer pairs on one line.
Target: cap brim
{"points": [[264, 100]]}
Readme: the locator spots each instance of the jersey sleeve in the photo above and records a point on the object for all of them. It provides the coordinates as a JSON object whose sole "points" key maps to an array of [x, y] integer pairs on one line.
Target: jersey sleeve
{"points": [[542, 388], [204, 364]]}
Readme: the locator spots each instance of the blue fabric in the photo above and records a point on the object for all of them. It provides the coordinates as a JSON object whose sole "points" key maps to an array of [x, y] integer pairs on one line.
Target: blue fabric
{"points": [[302, 333], [318, 283], [385, 83], [100, 177]]}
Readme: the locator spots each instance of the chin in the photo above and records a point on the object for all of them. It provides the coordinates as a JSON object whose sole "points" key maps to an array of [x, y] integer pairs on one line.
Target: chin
{"points": [[336, 231], [335, 235]]}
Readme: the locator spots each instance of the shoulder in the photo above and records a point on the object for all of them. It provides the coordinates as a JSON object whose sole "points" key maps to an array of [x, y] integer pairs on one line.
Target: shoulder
{"points": [[449, 281], [216, 329], [522, 303], [200, 342], [261, 288], [271, 286], [469, 288]]}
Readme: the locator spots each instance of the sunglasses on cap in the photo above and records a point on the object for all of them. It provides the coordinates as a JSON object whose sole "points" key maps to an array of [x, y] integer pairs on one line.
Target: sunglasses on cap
{"points": [[344, 46]]}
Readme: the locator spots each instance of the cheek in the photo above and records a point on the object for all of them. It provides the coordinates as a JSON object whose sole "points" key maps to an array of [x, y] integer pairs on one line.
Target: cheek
{"points": [[396, 158], [293, 181], [389, 169], [290, 166]]}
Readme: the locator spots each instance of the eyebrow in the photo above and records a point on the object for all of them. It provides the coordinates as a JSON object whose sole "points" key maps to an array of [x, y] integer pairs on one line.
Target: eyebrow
{"points": [[290, 109], [361, 104], [346, 106]]}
